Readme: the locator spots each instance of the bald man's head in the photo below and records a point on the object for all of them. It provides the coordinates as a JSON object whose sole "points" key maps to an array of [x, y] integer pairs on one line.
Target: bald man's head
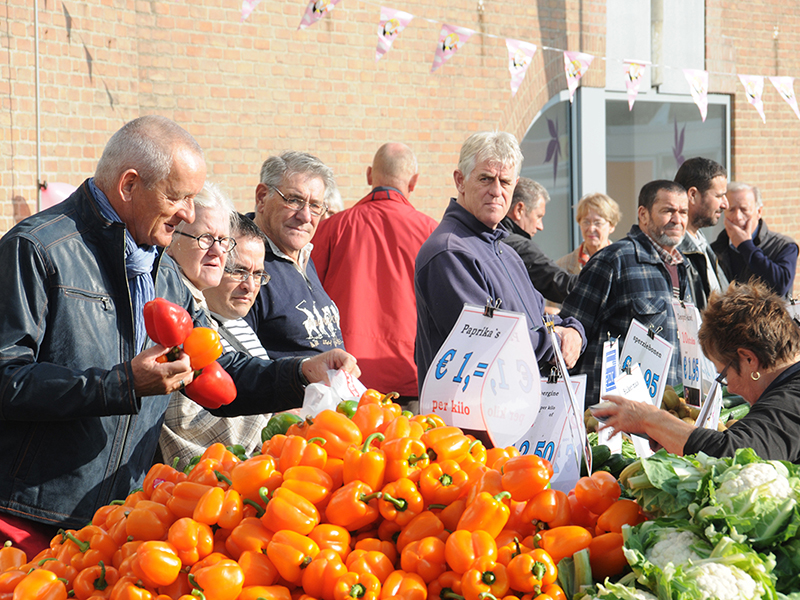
{"points": [[394, 165]]}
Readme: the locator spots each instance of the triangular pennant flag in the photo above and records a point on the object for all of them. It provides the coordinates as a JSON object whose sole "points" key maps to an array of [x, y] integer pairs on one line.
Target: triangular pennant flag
{"points": [[451, 38], [248, 6], [698, 85], [110, 97], [785, 87], [315, 10], [753, 89], [634, 71], [68, 21], [89, 60], [392, 23], [520, 55], [575, 66]]}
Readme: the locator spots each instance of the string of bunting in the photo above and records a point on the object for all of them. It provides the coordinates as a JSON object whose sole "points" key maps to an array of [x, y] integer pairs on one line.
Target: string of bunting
{"points": [[520, 55]]}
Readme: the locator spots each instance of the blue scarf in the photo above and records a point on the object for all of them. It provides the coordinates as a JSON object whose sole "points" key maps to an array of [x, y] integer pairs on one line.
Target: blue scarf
{"points": [[139, 262]]}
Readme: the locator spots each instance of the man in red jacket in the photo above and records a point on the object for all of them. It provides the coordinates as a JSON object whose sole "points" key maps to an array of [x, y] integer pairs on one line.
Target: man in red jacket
{"points": [[365, 261]]}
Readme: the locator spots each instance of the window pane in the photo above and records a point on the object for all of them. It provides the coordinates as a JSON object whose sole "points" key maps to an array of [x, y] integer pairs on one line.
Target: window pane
{"points": [[546, 151]]}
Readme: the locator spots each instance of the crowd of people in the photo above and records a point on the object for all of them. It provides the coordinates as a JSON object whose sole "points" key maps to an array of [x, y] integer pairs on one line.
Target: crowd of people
{"points": [[299, 287]]}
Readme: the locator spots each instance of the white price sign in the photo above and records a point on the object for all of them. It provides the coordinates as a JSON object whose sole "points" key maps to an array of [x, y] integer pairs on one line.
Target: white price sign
{"points": [[609, 386], [553, 435], [652, 352], [688, 319], [633, 387], [485, 376]]}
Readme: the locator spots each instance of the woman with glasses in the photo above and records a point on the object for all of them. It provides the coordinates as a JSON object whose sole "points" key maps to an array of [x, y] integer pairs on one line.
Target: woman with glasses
{"points": [[755, 346], [598, 216]]}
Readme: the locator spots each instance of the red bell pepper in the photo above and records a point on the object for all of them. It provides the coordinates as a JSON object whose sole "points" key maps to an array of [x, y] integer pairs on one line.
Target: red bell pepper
{"points": [[212, 388], [167, 323]]}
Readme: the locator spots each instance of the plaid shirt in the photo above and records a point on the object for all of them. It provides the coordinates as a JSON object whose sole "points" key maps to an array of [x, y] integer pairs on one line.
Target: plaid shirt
{"points": [[624, 281]]}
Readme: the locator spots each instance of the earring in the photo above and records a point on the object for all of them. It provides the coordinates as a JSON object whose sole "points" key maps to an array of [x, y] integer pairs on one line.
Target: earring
{"points": [[755, 375]]}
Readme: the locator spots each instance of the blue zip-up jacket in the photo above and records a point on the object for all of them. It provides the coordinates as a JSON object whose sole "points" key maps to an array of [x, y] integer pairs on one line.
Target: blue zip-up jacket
{"points": [[464, 261], [73, 434]]}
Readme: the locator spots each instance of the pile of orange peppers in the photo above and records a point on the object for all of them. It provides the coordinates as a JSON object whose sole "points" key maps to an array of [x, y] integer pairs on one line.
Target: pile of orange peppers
{"points": [[378, 506]]}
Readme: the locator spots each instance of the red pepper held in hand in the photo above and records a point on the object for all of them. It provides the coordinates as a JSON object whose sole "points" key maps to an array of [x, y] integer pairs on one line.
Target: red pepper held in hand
{"points": [[212, 388], [167, 323]]}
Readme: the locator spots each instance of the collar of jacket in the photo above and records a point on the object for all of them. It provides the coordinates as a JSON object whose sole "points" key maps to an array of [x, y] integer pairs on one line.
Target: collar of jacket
{"points": [[467, 219], [510, 225], [645, 253]]}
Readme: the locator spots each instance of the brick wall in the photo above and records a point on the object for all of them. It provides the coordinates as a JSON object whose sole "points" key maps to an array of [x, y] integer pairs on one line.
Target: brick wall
{"points": [[247, 90]]}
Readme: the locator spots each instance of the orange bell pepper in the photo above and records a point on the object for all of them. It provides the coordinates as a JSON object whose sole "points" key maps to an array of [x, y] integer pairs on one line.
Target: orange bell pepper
{"points": [[291, 552], [425, 524], [404, 585], [257, 568], [598, 491], [158, 474], [92, 544], [564, 541], [11, 557], [429, 421], [339, 432], [511, 549], [149, 521], [400, 501], [220, 579], [365, 463], [312, 483], [525, 476], [403, 427], [251, 475], [357, 586], [250, 534], [425, 557], [451, 514], [156, 563], [372, 418], [370, 561], [95, 581], [442, 482], [579, 514], [490, 481], [40, 585], [185, 497], [405, 457], [353, 506], [299, 451], [446, 443], [332, 537], [548, 506], [476, 453], [191, 539], [264, 592], [445, 587], [500, 456], [289, 510], [464, 547], [485, 577], [606, 556], [487, 512], [335, 468], [622, 512], [376, 544], [530, 571], [320, 577], [370, 396]]}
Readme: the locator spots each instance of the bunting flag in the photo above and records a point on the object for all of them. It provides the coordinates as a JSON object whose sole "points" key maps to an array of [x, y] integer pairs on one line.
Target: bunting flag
{"points": [[89, 60], [698, 85], [785, 87], [67, 21], [575, 66], [520, 55], [315, 10], [753, 89], [451, 38], [248, 6], [634, 71], [392, 24]]}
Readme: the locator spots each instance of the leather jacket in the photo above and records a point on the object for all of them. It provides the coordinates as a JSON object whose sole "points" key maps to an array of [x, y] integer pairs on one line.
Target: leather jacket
{"points": [[73, 433]]}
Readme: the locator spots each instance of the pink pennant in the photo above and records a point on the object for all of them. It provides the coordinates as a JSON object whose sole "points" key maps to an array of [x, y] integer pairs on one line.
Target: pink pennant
{"points": [[392, 23], [315, 10], [451, 39], [248, 6], [520, 55], [698, 85], [785, 87], [575, 66], [634, 72], [753, 89]]}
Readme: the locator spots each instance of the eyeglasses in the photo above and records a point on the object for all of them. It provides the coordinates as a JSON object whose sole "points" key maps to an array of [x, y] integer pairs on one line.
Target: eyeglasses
{"points": [[206, 240], [597, 223], [242, 275], [722, 378], [297, 204]]}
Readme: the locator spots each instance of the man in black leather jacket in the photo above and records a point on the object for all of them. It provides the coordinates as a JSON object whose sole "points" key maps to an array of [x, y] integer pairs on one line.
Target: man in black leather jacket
{"points": [[82, 396]]}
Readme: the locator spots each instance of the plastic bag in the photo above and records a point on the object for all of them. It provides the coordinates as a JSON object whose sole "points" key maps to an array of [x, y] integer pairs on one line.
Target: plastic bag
{"points": [[320, 396]]}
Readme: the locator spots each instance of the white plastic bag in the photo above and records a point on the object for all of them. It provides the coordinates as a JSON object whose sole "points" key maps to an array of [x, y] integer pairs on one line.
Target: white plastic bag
{"points": [[319, 396]]}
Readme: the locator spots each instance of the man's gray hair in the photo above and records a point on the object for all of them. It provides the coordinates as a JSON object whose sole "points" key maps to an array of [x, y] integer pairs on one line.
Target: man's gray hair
{"points": [[212, 197], [290, 163], [498, 146], [146, 144], [531, 193], [735, 186]]}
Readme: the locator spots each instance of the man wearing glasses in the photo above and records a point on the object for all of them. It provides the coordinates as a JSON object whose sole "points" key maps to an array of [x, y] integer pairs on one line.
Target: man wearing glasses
{"points": [[293, 316]]}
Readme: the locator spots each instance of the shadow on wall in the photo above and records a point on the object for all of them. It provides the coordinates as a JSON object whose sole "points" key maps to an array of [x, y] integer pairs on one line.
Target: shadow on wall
{"points": [[21, 208]]}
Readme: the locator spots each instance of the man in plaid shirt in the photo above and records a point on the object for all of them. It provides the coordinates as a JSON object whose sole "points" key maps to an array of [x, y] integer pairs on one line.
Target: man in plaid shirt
{"points": [[635, 278]]}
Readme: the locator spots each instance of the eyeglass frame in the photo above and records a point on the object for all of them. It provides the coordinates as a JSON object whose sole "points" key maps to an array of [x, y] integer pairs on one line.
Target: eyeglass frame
{"points": [[722, 378], [287, 203], [230, 241], [264, 276]]}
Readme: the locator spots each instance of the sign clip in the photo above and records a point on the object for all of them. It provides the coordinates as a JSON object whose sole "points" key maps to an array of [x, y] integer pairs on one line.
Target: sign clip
{"points": [[553, 377], [652, 331], [488, 310]]}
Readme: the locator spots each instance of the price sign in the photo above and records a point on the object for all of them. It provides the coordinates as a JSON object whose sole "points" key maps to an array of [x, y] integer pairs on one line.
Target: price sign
{"points": [[688, 319], [653, 353], [552, 437], [633, 387], [709, 412], [609, 386], [485, 376]]}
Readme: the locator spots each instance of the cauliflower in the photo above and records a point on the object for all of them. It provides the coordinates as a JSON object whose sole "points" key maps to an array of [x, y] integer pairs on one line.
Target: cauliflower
{"points": [[753, 475], [674, 547], [633, 593], [724, 582]]}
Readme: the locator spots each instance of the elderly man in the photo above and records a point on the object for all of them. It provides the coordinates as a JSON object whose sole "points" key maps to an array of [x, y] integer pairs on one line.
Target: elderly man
{"points": [[634, 278], [365, 260], [524, 219], [235, 280], [294, 316], [705, 182], [74, 354], [464, 261], [747, 248]]}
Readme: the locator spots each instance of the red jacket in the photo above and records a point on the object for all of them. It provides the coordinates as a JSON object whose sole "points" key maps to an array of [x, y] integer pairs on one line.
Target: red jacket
{"points": [[365, 261]]}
